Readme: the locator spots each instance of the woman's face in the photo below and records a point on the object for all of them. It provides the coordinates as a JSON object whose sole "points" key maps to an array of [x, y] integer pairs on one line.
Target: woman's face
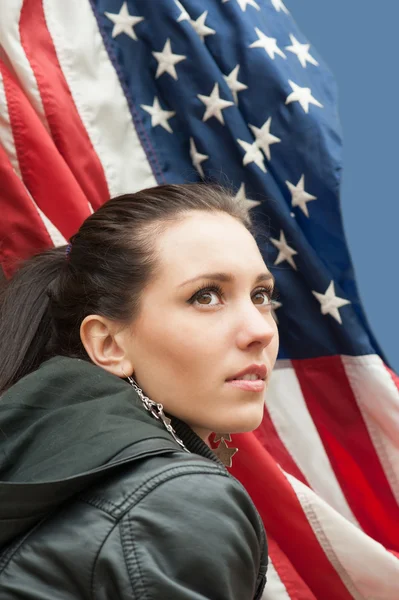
{"points": [[186, 344]]}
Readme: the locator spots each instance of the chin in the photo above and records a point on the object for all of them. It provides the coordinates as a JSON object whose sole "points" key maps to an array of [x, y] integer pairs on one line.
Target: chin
{"points": [[249, 420]]}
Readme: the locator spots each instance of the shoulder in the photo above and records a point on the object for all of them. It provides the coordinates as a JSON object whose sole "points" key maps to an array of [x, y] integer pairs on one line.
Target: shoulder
{"points": [[182, 520], [168, 526], [175, 473]]}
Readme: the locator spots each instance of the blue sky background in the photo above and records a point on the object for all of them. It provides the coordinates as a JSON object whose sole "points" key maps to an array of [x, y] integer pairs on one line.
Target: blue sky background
{"points": [[358, 41]]}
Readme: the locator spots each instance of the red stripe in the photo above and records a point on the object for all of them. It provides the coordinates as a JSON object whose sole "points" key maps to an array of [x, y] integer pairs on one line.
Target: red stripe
{"points": [[67, 129], [44, 172], [335, 413], [294, 584], [22, 231], [269, 438], [284, 518]]}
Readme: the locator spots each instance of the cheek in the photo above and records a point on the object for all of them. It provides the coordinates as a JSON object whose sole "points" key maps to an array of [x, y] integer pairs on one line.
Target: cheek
{"points": [[174, 363], [176, 346]]}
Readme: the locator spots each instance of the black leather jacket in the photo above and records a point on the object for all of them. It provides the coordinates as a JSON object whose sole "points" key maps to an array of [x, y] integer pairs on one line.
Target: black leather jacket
{"points": [[146, 522]]}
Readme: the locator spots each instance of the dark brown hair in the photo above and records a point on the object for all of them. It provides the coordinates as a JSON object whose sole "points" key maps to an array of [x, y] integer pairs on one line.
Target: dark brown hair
{"points": [[112, 257]]}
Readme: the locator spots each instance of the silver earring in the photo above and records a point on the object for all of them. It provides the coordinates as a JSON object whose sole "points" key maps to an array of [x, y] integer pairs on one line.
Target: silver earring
{"points": [[156, 409]]}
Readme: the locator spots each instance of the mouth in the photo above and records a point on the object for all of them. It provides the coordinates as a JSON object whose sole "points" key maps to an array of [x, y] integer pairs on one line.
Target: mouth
{"points": [[252, 373], [246, 385], [251, 379]]}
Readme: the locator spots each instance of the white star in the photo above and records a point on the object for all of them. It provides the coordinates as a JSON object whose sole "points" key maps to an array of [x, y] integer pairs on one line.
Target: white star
{"points": [[268, 44], [197, 157], [303, 95], [299, 195], [167, 61], [241, 197], [330, 303], [285, 251], [302, 52], [278, 5], [275, 306], [124, 22], [243, 4], [233, 83], [200, 27], [184, 16], [264, 139], [252, 154], [214, 104], [158, 115]]}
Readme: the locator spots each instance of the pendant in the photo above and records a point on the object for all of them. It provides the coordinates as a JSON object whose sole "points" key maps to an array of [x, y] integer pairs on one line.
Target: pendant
{"points": [[223, 452]]}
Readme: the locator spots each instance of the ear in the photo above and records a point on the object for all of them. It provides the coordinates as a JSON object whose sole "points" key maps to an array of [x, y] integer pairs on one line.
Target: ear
{"points": [[106, 344]]}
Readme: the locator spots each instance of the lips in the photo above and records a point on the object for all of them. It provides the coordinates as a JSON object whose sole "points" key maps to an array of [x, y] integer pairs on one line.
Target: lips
{"points": [[259, 370]]}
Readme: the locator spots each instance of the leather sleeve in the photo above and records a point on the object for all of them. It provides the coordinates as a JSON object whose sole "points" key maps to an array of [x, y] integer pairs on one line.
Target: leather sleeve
{"points": [[194, 536]]}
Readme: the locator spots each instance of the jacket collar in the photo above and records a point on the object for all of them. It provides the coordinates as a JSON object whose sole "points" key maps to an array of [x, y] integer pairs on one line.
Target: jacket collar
{"points": [[193, 442]]}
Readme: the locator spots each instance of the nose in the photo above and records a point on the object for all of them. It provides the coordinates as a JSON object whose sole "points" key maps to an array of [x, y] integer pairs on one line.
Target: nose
{"points": [[256, 328]]}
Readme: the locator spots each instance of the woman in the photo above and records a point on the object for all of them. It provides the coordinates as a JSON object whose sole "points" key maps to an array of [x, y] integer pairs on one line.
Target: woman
{"points": [[119, 356]]}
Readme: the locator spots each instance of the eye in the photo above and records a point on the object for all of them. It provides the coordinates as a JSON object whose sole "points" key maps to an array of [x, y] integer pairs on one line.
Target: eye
{"points": [[263, 297], [206, 296]]}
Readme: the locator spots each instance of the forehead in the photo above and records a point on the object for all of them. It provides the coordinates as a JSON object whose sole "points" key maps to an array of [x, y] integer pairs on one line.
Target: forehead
{"points": [[204, 241]]}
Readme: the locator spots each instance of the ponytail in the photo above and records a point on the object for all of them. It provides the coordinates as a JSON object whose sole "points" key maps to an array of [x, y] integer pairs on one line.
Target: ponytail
{"points": [[25, 320]]}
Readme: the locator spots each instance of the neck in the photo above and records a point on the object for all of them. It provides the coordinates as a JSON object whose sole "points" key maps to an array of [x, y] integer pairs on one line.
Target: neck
{"points": [[203, 434]]}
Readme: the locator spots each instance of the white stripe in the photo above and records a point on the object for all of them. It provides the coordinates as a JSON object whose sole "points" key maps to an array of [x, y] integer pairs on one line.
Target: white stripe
{"points": [[275, 588], [6, 136], [378, 399], [295, 427], [366, 568], [7, 141], [98, 95], [17, 60], [56, 236]]}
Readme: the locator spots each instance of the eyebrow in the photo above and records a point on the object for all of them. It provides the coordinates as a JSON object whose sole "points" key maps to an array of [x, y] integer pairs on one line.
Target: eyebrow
{"points": [[228, 277]]}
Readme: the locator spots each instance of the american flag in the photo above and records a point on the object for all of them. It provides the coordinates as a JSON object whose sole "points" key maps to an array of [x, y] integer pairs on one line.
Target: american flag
{"points": [[105, 97]]}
